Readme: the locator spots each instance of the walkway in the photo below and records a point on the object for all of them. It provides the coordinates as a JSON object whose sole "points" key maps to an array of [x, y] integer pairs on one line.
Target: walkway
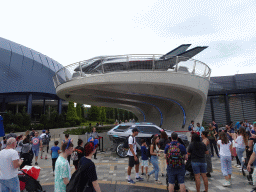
{"points": [[112, 173]]}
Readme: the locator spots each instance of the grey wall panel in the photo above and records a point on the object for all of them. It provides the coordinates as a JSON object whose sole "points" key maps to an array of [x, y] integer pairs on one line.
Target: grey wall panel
{"points": [[36, 56], [249, 108], [28, 73], [50, 63], [207, 112], [219, 110], [5, 52], [5, 57], [44, 61], [235, 107]]}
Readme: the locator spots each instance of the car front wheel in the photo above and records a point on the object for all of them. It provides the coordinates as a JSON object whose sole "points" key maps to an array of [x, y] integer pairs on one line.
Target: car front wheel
{"points": [[121, 151]]}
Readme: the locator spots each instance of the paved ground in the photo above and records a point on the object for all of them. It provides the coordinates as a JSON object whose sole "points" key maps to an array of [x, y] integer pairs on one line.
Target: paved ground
{"points": [[112, 173]]}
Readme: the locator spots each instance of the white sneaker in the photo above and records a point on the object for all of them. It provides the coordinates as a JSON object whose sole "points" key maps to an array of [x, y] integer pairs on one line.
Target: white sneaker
{"points": [[238, 166], [227, 183]]}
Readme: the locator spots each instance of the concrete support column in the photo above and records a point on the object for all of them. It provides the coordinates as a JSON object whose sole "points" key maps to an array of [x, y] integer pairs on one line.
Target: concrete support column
{"points": [[227, 109], [44, 106], [29, 104], [60, 106], [212, 109]]}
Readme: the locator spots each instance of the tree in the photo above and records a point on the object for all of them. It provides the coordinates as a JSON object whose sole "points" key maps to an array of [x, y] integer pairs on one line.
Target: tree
{"points": [[102, 114], [71, 113], [94, 113], [116, 113], [78, 110], [126, 115], [26, 118]]}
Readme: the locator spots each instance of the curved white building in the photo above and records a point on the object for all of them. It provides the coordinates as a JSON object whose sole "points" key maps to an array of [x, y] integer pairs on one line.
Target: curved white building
{"points": [[169, 90]]}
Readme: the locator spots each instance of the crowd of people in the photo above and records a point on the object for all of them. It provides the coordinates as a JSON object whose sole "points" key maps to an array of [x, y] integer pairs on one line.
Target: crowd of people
{"points": [[168, 156]]}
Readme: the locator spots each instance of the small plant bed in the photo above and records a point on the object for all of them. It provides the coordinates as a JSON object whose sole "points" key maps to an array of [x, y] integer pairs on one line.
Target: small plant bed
{"points": [[83, 130]]}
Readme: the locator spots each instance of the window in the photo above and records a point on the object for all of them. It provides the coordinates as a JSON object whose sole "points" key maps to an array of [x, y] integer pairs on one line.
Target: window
{"points": [[148, 129]]}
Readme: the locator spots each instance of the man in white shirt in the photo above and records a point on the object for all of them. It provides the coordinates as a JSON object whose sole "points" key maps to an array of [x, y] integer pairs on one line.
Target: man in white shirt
{"points": [[133, 159], [9, 164], [45, 140]]}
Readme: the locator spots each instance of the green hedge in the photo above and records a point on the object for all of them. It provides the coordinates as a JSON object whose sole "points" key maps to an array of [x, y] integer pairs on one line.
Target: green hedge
{"points": [[83, 130]]}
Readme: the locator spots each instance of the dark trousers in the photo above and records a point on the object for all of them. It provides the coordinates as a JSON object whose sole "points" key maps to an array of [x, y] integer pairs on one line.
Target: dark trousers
{"points": [[213, 143], [69, 159], [237, 161], [53, 163], [95, 154]]}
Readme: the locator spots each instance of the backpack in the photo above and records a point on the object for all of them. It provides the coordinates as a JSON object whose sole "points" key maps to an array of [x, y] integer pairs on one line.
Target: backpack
{"points": [[76, 184], [126, 143], [45, 140], [74, 156], [174, 156], [189, 128]]}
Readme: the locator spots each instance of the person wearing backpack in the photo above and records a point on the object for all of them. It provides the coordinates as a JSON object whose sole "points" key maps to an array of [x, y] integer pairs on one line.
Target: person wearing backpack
{"points": [[45, 141], [66, 140], [133, 159], [84, 179], [62, 168], [175, 154]]}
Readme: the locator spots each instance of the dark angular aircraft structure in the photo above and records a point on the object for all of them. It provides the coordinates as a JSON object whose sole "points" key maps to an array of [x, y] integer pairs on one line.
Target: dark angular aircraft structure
{"points": [[124, 63]]}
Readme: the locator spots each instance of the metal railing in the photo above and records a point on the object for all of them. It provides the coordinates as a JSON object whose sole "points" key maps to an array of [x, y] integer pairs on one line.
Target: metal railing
{"points": [[128, 63]]}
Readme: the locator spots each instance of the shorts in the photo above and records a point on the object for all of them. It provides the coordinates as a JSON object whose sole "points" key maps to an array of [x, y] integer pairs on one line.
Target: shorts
{"points": [[144, 163], [132, 162], [199, 167], [175, 172], [36, 152]]}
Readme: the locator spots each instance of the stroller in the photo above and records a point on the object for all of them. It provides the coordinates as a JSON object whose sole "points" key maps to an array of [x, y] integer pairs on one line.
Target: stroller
{"points": [[188, 167], [28, 180]]}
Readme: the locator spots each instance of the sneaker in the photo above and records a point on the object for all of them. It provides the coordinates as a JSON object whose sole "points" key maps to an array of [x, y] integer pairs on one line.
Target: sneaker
{"points": [[36, 163], [139, 179], [46, 157], [158, 182], [142, 173], [238, 166], [212, 155], [147, 177], [218, 156], [41, 157], [226, 184], [131, 181]]}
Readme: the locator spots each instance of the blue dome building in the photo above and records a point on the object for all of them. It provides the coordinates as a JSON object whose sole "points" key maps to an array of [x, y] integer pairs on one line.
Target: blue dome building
{"points": [[25, 75]]}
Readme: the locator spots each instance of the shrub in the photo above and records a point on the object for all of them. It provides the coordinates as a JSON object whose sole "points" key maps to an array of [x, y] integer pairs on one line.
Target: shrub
{"points": [[18, 119], [39, 126], [72, 123], [66, 124], [110, 121], [10, 127]]}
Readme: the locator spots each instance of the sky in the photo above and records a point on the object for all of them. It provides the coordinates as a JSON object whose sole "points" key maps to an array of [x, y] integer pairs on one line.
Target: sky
{"points": [[72, 31]]}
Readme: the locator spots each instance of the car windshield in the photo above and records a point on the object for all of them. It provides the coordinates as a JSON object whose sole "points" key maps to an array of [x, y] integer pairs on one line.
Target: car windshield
{"points": [[122, 128]]}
